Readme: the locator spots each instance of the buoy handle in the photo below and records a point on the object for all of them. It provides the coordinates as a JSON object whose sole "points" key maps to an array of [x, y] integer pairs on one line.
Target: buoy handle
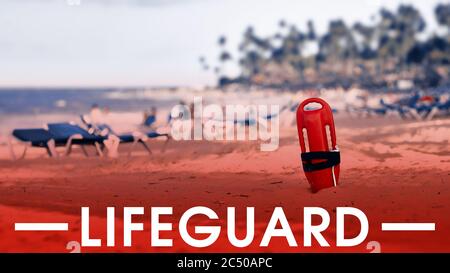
{"points": [[326, 115]]}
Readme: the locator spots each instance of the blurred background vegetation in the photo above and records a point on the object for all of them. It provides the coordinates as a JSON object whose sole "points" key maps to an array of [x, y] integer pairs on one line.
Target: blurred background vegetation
{"points": [[389, 53]]}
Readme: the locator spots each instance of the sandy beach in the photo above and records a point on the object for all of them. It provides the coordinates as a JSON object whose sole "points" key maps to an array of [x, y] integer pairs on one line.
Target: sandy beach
{"points": [[393, 170], [233, 128]]}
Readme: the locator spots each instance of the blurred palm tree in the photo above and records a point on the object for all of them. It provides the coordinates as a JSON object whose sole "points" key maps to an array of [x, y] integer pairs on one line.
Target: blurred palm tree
{"points": [[397, 35], [311, 30], [203, 63], [253, 50], [442, 13], [337, 50], [365, 41], [224, 55], [387, 46]]}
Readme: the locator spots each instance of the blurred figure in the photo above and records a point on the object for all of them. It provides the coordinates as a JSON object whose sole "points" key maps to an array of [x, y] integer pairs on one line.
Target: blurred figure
{"points": [[95, 114], [105, 112], [150, 117], [98, 119], [181, 112]]}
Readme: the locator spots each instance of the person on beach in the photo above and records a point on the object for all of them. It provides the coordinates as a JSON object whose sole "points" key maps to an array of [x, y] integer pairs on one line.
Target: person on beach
{"points": [[150, 117], [98, 117], [96, 114]]}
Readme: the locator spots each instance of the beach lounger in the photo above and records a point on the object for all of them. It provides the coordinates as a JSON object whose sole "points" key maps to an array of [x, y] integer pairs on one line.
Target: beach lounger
{"points": [[439, 108], [36, 138], [76, 135], [84, 137], [134, 138], [405, 107], [56, 135]]}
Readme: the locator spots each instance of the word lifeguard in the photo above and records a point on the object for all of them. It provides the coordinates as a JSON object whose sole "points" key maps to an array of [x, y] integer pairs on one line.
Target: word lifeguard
{"points": [[278, 226]]}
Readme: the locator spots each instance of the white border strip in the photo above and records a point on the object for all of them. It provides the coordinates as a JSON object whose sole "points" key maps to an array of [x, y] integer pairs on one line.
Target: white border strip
{"points": [[408, 226], [41, 226]]}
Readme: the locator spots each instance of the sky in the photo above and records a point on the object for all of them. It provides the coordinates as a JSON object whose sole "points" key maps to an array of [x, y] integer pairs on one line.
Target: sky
{"points": [[112, 43]]}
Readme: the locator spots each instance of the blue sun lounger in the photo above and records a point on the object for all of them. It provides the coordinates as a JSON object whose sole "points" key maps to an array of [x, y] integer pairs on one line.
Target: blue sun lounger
{"points": [[76, 135], [67, 130], [106, 130], [57, 135], [439, 108], [38, 138], [82, 137], [105, 127]]}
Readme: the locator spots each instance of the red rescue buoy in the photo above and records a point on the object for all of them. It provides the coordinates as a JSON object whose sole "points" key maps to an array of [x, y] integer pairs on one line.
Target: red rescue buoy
{"points": [[319, 153]]}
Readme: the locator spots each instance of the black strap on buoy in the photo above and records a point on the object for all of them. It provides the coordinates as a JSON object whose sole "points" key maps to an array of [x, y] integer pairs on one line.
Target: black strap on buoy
{"points": [[327, 160]]}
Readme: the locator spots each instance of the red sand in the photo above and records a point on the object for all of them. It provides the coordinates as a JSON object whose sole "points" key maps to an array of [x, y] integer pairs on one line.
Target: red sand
{"points": [[392, 170]]}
